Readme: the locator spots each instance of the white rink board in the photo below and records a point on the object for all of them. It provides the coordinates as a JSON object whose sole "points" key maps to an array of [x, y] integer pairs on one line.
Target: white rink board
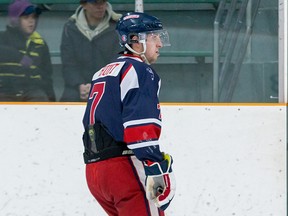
{"points": [[228, 160]]}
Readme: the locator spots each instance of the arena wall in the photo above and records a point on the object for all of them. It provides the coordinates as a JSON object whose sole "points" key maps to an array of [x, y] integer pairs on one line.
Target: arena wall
{"points": [[228, 160]]}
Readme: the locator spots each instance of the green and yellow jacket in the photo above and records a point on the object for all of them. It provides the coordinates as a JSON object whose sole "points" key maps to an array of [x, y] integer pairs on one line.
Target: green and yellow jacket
{"points": [[16, 78]]}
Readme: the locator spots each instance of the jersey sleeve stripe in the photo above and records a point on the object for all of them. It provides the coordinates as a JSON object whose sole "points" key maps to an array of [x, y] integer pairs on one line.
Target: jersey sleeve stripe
{"points": [[141, 133], [143, 144], [142, 121]]}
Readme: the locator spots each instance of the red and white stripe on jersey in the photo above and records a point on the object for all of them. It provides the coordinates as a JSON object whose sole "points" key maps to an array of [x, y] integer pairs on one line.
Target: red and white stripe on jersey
{"points": [[142, 133], [129, 80]]}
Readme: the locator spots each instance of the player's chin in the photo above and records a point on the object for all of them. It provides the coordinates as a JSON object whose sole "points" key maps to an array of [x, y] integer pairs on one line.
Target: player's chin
{"points": [[153, 60]]}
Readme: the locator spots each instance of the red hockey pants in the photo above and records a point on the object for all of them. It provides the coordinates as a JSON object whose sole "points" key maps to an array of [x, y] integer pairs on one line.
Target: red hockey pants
{"points": [[118, 186]]}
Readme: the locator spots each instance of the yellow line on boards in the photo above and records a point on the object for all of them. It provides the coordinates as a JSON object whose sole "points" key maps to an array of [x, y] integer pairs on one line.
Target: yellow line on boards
{"points": [[42, 103], [224, 104]]}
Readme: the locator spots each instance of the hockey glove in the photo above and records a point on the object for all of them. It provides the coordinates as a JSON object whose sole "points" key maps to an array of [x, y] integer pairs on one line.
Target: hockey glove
{"points": [[160, 181]]}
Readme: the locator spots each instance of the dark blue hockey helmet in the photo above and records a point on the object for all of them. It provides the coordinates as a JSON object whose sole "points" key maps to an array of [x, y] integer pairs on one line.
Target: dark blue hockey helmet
{"points": [[135, 23]]}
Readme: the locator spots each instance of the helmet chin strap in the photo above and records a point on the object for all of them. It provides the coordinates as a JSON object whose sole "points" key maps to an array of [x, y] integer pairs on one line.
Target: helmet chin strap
{"points": [[142, 54]]}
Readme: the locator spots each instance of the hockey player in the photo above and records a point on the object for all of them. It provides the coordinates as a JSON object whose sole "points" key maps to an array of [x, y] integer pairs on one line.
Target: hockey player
{"points": [[125, 169]]}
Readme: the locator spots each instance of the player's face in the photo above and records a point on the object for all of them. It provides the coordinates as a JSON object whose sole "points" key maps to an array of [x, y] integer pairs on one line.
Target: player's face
{"points": [[96, 10], [28, 23], [153, 44]]}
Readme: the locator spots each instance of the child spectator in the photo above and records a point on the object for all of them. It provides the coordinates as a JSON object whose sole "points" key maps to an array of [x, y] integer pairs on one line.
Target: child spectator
{"points": [[25, 64]]}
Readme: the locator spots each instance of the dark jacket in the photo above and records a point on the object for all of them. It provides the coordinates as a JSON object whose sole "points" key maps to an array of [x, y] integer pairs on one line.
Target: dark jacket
{"points": [[17, 80], [83, 56]]}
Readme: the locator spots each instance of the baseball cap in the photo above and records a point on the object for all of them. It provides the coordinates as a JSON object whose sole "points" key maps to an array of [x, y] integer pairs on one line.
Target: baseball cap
{"points": [[31, 9]]}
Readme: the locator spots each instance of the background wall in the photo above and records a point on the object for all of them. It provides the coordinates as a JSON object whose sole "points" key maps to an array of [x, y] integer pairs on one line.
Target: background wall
{"points": [[228, 160], [190, 26]]}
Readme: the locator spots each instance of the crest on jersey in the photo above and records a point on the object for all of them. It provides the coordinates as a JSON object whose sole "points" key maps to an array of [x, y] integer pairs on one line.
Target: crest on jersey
{"points": [[151, 72]]}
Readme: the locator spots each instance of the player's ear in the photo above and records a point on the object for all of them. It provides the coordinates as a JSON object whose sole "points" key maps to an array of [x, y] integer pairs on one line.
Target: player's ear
{"points": [[134, 39], [136, 45]]}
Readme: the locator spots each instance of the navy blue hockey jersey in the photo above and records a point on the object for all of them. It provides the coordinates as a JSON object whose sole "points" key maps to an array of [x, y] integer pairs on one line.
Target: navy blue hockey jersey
{"points": [[124, 98]]}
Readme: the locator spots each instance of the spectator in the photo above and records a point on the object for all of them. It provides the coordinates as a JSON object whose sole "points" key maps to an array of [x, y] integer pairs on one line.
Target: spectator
{"points": [[89, 41], [25, 64]]}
